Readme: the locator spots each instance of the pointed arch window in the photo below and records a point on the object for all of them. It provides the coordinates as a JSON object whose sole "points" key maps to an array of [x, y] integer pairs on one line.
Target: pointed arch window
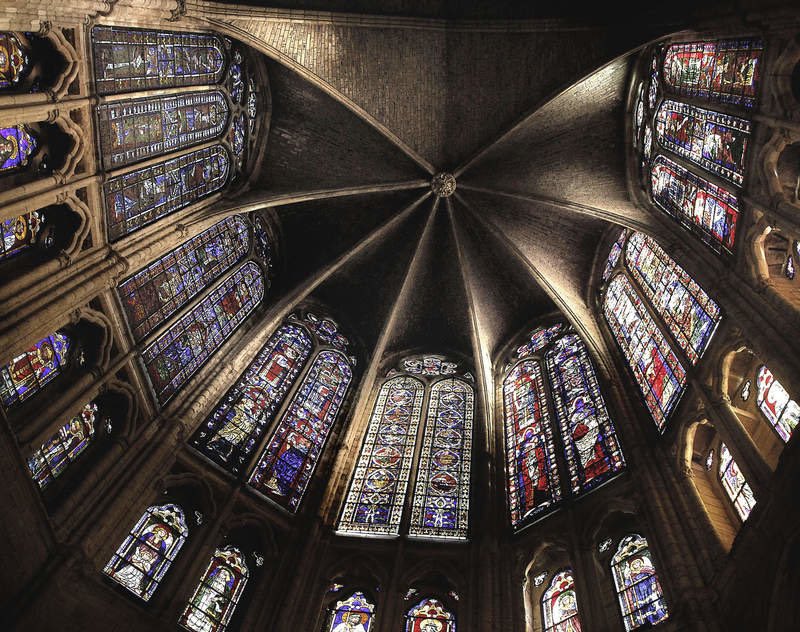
{"points": [[354, 614], [155, 293], [177, 353], [430, 615], [127, 60], [141, 197], [141, 561], [641, 599], [735, 484], [66, 445], [560, 604], [29, 372], [378, 489], [725, 74], [214, 600], [774, 402]]}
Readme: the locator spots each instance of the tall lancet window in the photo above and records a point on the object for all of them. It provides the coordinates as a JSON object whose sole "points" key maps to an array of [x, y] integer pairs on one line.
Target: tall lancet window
{"points": [[641, 599], [149, 549], [283, 408], [428, 615], [569, 416], [560, 604], [782, 412], [401, 442], [694, 159], [29, 372], [214, 600], [735, 484], [660, 317]]}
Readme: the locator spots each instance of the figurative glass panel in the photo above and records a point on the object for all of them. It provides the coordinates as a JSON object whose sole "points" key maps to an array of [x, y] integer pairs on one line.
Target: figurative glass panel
{"points": [[141, 197], [726, 71], [17, 146], [590, 442], [211, 607], [775, 404], [232, 431], [706, 209], [150, 548], [539, 339], [641, 599], [614, 254], [19, 233], [532, 470], [429, 365], [32, 370], [354, 614], [50, 461], [689, 313], [560, 604], [288, 462], [326, 330], [177, 353], [712, 140], [430, 615], [735, 484], [136, 129], [375, 501], [127, 60], [440, 507], [14, 62], [658, 372], [153, 294]]}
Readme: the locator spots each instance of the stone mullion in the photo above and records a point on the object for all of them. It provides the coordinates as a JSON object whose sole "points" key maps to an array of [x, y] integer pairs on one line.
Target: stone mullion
{"points": [[709, 550]]}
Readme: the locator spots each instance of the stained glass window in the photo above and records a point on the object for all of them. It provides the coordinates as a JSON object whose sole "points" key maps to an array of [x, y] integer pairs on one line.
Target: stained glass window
{"points": [[32, 370], [708, 210], [539, 339], [155, 293], [236, 137], [143, 196], [326, 330], [430, 615], [50, 461], [17, 146], [533, 483], [14, 62], [235, 79], [614, 254], [775, 404], [375, 501], [232, 431], [146, 554], [590, 441], [354, 614], [19, 233], [429, 365], [177, 353], [726, 71], [689, 313], [211, 607], [127, 60], [735, 484], [287, 464], [440, 507], [560, 604], [641, 599], [136, 129], [252, 105], [658, 372], [712, 140]]}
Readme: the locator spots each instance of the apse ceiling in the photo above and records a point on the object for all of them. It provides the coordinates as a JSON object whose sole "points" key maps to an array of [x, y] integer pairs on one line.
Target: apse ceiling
{"points": [[529, 116]]}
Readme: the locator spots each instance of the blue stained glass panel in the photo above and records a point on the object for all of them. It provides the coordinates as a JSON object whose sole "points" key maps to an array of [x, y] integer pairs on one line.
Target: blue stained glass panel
{"points": [[657, 371], [591, 447], [641, 599], [137, 129], [689, 313], [232, 431], [354, 614], [31, 371], [127, 60], [153, 294], [539, 339], [533, 482], [143, 196], [287, 464], [17, 146], [186, 346], [374, 502], [613, 255], [440, 506], [18, 234]]}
